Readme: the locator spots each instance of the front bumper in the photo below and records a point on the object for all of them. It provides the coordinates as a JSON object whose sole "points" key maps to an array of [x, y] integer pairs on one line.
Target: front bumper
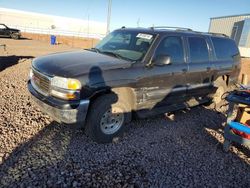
{"points": [[61, 111]]}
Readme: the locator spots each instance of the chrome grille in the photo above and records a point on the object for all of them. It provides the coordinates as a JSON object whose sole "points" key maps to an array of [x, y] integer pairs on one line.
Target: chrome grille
{"points": [[40, 82]]}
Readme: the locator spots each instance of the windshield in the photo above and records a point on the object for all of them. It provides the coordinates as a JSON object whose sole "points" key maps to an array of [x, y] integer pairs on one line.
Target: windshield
{"points": [[128, 45]]}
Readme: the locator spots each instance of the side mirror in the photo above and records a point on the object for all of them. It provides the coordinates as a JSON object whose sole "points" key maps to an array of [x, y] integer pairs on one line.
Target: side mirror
{"points": [[162, 60]]}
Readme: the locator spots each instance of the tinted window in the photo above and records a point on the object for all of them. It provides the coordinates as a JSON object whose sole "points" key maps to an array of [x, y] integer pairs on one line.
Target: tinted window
{"points": [[225, 49], [171, 46], [126, 44], [198, 49]]}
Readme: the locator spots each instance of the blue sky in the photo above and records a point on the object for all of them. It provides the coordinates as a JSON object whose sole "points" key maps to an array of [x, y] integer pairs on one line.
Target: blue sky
{"points": [[194, 14]]}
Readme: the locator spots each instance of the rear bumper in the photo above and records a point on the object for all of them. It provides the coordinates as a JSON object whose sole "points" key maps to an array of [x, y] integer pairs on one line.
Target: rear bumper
{"points": [[61, 111]]}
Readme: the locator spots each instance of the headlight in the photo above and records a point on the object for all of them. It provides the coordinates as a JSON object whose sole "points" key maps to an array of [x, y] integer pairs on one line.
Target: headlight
{"points": [[66, 83], [65, 88]]}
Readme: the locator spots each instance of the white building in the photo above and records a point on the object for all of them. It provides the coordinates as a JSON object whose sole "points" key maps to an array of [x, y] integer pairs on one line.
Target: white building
{"points": [[237, 27], [31, 22]]}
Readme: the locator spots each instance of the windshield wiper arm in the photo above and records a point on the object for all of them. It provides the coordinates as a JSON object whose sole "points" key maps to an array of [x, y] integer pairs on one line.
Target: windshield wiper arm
{"points": [[115, 55], [94, 49]]}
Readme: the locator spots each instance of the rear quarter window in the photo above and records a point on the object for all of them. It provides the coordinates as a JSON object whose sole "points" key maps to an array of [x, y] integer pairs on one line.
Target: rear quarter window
{"points": [[225, 49]]}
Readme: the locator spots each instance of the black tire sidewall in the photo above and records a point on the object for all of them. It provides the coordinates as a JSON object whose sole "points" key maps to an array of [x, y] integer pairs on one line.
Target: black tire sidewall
{"points": [[97, 109]]}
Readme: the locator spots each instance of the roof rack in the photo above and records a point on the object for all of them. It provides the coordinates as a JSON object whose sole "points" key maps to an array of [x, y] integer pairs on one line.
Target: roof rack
{"points": [[211, 33], [188, 29], [217, 34], [169, 27]]}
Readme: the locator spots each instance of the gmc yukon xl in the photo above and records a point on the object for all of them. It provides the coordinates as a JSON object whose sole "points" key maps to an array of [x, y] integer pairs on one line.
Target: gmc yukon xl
{"points": [[133, 71]]}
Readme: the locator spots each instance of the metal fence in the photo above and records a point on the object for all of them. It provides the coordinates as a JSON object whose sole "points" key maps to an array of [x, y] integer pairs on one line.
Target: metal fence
{"points": [[58, 32]]}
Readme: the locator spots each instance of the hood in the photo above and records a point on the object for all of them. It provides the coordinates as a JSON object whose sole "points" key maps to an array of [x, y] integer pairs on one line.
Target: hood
{"points": [[76, 63], [14, 30]]}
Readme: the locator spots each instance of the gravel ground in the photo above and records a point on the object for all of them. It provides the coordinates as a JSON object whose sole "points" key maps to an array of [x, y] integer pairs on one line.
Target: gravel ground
{"points": [[184, 149]]}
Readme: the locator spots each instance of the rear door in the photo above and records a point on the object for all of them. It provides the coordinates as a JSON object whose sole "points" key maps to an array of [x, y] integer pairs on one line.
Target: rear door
{"points": [[200, 68]]}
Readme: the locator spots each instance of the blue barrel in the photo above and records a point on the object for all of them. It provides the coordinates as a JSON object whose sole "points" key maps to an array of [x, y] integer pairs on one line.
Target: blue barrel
{"points": [[52, 39]]}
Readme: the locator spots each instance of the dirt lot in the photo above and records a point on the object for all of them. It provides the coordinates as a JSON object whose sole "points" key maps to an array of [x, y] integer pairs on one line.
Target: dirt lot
{"points": [[66, 40], [184, 149]]}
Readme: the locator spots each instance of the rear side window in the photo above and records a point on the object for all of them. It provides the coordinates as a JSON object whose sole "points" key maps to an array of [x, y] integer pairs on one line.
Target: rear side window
{"points": [[225, 49], [171, 46], [198, 49]]}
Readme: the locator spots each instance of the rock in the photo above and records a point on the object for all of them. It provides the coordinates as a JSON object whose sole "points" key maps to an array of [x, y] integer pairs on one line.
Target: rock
{"points": [[75, 184]]}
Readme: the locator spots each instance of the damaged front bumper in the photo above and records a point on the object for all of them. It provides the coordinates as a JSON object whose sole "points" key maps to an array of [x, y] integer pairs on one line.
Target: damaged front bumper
{"points": [[68, 112]]}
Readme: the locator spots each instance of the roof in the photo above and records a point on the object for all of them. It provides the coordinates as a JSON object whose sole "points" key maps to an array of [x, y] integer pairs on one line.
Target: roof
{"points": [[237, 15], [184, 31]]}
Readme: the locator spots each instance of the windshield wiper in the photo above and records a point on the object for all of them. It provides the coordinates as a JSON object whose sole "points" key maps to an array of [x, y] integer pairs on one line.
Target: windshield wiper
{"points": [[94, 49], [115, 55]]}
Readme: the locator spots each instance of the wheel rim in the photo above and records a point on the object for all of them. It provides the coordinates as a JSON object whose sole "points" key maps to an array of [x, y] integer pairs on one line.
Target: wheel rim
{"points": [[112, 120]]}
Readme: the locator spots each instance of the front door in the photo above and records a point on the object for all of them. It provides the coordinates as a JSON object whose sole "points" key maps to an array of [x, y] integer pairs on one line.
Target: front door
{"points": [[165, 85]]}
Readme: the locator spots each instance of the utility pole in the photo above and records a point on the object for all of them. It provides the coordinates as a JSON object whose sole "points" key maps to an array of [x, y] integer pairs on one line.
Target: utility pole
{"points": [[88, 25], [109, 16], [138, 22]]}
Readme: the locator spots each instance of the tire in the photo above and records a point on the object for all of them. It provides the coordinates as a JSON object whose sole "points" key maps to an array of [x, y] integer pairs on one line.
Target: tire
{"points": [[14, 36], [102, 125]]}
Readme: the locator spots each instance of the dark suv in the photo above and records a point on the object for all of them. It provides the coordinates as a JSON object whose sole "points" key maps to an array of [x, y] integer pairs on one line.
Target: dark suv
{"points": [[136, 71], [9, 32]]}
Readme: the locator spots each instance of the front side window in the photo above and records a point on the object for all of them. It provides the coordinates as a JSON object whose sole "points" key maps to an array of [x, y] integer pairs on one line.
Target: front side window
{"points": [[130, 45], [198, 49], [225, 49], [171, 46]]}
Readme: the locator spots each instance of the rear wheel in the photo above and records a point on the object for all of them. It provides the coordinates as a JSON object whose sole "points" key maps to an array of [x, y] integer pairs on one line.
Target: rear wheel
{"points": [[107, 118]]}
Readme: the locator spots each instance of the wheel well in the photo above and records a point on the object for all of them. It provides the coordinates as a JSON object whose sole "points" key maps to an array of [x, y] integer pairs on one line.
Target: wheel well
{"points": [[99, 93], [126, 94]]}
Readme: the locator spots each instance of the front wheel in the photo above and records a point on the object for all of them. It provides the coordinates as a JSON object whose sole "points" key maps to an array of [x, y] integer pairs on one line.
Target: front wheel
{"points": [[14, 36], [107, 118]]}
